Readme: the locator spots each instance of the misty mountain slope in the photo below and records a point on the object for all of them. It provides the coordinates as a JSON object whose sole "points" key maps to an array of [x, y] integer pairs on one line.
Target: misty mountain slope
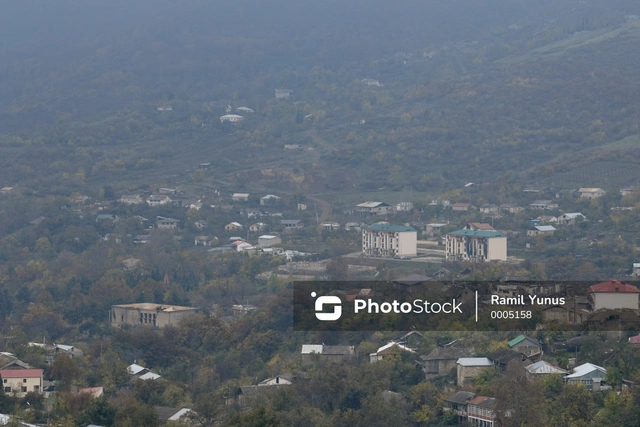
{"points": [[75, 60], [447, 113]]}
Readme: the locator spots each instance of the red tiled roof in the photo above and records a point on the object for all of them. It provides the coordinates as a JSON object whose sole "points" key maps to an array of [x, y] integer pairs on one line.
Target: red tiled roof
{"points": [[635, 340], [613, 286], [21, 373]]}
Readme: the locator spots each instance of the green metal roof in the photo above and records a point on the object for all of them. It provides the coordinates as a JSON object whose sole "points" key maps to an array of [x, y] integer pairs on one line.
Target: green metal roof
{"points": [[477, 233], [516, 340], [389, 227]]}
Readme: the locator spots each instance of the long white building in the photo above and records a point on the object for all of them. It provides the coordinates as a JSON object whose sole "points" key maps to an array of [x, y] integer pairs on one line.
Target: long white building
{"points": [[476, 245], [385, 240]]}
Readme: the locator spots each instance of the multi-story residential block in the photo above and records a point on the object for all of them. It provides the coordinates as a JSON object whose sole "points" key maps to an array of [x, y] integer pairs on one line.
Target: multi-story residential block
{"points": [[385, 240], [476, 245]]}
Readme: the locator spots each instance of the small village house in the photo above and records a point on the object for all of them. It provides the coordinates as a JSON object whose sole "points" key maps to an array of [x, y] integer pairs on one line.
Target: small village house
{"points": [[268, 240], [462, 207], [590, 375], [373, 208], [542, 368], [163, 223], [613, 295], [470, 367], [334, 353], [240, 197], [283, 93], [269, 199], [291, 223], [443, 360], [233, 226], [529, 347], [231, 118], [387, 350], [158, 200], [537, 230], [570, 218], [591, 193], [330, 226], [21, 381], [131, 199]]}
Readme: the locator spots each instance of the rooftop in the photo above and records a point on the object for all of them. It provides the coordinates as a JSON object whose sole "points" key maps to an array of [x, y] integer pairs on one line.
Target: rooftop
{"points": [[460, 397], [20, 373], [474, 361], [413, 279], [155, 307], [543, 367], [371, 204], [517, 340], [477, 233], [545, 228], [389, 227], [586, 368], [613, 286]]}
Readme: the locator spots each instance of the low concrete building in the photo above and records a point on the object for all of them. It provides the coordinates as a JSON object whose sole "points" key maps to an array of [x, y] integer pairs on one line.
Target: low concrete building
{"points": [[148, 314], [462, 207], [163, 223], [269, 199], [334, 353], [373, 208], [330, 226], [232, 118], [470, 367], [131, 199], [541, 229], [591, 193], [240, 197], [268, 240], [158, 200]]}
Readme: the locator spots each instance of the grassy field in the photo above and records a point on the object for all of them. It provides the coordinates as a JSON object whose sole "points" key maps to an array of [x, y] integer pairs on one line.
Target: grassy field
{"points": [[577, 40]]}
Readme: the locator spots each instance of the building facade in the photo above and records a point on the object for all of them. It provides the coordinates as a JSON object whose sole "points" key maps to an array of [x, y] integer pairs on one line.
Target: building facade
{"points": [[384, 240], [21, 381], [148, 314], [613, 295], [373, 208], [476, 245]]}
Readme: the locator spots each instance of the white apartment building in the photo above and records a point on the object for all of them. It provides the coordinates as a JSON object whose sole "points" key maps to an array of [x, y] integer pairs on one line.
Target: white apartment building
{"points": [[386, 240], [476, 245]]}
